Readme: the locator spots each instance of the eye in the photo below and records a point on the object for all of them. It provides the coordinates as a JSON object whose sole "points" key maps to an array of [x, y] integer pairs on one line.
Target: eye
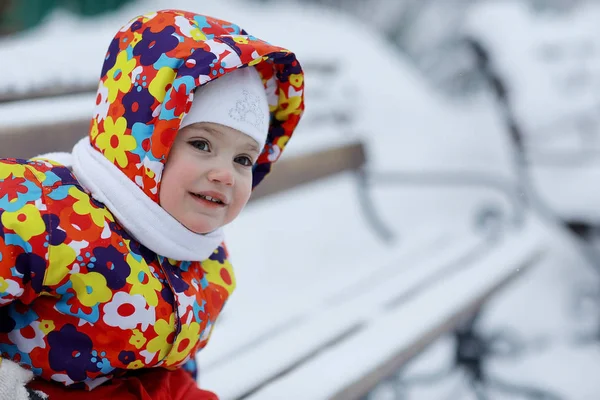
{"points": [[244, 160], [201, 145]]}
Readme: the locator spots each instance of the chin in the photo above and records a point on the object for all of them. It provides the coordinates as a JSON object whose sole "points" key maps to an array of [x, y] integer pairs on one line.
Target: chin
{"points": [[202, 231], [202, 228]]}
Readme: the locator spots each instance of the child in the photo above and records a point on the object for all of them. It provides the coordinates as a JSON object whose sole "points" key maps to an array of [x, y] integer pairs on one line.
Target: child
{"points": [[112, 277]]}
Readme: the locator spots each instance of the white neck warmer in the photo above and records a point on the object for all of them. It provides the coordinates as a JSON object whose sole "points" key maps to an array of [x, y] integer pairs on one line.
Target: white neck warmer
{"points": [[148, 222]]}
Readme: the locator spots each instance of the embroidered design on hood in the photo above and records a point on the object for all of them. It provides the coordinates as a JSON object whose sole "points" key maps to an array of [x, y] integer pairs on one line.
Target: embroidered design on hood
{"points": [[247, 110]]}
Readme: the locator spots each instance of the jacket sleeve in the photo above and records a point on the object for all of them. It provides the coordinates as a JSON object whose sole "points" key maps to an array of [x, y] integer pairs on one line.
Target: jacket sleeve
{"points": [[24, 244], [24, 240], [221, 283]]}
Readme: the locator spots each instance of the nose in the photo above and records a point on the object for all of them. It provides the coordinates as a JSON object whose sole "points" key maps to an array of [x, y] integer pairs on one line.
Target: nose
{"points": [[221, 175]]}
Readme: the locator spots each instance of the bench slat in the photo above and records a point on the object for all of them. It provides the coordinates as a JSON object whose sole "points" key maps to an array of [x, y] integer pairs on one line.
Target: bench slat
{"points": [[294, 305], [289, 173], [398, 335], [32, 141], [299, 170], [326, 323]]}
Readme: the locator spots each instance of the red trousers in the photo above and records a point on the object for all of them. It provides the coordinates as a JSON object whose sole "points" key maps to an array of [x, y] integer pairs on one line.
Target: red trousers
{"points": [[153, 384]]}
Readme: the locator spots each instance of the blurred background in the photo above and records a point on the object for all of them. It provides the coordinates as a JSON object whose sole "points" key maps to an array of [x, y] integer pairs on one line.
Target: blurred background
{"points": [[474, 114]]}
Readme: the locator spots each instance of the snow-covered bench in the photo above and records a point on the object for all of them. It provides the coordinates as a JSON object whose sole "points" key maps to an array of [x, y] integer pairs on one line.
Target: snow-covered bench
{"points": [[324, 310], [35, 127]]}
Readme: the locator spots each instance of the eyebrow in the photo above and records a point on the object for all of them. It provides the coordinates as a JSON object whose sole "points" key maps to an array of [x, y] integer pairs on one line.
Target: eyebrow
{"points": [[253, 147], [249, 146]]}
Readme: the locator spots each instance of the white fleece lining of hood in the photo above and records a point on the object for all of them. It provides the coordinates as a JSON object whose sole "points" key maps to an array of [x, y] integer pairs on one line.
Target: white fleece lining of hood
{"points": [[148, 222]]}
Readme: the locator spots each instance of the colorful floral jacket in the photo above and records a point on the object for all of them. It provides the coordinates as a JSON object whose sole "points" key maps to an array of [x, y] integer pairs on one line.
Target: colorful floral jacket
{"points": [[81, 299]]}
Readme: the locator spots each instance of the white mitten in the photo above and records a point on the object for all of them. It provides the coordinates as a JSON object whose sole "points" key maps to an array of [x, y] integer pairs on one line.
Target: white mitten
{"points": [[13, 381]]}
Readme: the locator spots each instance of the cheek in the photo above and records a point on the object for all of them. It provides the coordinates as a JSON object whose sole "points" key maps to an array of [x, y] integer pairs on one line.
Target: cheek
{"points": [[243, 192], [164, 199], [176, 172], [168, 185]]}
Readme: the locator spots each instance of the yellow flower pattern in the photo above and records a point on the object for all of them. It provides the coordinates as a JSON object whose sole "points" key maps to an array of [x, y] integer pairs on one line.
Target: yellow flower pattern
{"points": [[142, 281], [197, 34], [91, 288], [186, 340], [14, 170], [3, 285], [94, 129], [158, 86], [137, 364], [118, 78], [84, 206], [293, 105], [26, 222], [61, 259], [297, 80], [137, 339], [163, 342], [114, 143], [46, 326]]}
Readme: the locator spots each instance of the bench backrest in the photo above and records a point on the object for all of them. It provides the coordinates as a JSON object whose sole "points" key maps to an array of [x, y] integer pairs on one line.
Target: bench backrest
{"points": [[302, 169], [27, 142], [288, 173]]}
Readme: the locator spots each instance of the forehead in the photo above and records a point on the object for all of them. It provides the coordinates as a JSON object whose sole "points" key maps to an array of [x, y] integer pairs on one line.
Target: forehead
{"points": [[216, 131]]}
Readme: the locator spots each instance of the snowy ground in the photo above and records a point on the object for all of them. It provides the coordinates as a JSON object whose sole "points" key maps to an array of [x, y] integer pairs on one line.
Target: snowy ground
{"points": [[407, 127]]}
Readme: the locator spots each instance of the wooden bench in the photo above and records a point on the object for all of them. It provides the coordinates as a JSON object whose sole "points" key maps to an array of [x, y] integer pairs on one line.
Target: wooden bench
{"points": [[32, 141], [370, 320], [367, 303]]}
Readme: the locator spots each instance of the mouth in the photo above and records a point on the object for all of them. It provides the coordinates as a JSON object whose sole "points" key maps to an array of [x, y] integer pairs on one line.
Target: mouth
{"points": [[214, 199]]}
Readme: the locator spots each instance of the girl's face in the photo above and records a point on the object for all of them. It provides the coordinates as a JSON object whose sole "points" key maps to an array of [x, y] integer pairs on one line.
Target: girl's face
{"points": [[207, 180]]}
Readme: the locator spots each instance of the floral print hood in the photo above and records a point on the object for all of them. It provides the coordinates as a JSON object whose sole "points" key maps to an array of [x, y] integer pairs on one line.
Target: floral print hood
{"points": [[82, 299], [147, 84]]}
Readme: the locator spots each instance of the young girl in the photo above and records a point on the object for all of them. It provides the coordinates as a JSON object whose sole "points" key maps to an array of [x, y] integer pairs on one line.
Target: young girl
{"points": [[112, 275]]}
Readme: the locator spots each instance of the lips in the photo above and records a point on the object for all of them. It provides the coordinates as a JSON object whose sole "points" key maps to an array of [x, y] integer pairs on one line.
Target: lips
{"points": [[211, 197]]}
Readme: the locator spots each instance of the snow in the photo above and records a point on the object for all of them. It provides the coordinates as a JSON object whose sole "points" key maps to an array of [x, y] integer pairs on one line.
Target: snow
{"points": [[389, 332], [318, 242], [19, 114], [317, 302]]}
